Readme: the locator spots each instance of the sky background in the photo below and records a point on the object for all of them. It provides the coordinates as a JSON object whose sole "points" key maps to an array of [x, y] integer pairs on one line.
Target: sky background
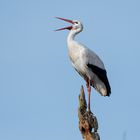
{"points": [[38, 86]]}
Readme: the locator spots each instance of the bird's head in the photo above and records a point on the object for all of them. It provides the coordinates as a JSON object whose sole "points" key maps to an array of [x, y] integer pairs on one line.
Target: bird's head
{"points": [[76, 25]]}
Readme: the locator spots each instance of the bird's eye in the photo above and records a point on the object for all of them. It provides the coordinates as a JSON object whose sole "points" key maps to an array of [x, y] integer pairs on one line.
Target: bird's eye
{"points": [[76, 22]]}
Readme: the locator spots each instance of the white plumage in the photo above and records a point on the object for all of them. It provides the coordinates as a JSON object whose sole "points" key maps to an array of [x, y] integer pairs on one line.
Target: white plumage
{"points": [[86, 62]]}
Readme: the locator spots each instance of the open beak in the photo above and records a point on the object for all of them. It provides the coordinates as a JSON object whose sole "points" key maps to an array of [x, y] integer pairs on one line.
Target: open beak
{"points": [[67, 20]]}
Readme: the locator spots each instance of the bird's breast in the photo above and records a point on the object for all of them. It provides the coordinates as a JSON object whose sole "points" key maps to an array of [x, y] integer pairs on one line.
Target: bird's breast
{"points": [[74, 51], [75, 54]]}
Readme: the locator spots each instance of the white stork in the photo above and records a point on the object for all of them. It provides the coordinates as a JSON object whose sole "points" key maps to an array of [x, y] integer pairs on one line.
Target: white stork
{"points": [[86, 62]]}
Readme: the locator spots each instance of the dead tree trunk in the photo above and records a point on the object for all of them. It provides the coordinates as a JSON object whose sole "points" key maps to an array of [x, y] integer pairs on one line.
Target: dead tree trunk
{"points": [[87, 120]]}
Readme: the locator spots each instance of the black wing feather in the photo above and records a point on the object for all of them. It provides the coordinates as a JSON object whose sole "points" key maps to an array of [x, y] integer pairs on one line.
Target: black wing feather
{"points": [[102, 75]]}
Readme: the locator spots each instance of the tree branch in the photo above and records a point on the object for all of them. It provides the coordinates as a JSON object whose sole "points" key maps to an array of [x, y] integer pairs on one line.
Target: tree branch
{"points": [[87, 121]]}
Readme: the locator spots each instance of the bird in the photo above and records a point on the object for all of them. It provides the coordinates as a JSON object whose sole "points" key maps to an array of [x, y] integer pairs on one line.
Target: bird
{"points": [[85, 61]]}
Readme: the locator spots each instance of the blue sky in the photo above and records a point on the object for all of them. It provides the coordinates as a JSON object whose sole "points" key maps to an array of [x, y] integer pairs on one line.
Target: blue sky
{"points": [[38, 86]]}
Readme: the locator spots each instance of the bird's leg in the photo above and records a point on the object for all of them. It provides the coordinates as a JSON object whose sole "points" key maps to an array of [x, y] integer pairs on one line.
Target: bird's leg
{"points": [[89, 91]]}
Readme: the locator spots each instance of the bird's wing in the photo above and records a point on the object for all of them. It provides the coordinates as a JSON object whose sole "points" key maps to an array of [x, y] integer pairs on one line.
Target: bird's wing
{"points": [[96, 65], [102, 75], [91, 57]]}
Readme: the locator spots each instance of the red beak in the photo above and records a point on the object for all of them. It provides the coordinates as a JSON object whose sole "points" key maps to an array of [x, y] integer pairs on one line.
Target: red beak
{"points": [[67, 20]]}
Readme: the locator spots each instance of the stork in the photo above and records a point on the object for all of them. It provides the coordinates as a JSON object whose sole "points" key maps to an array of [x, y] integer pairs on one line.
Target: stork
{"points": [[86, 62]]}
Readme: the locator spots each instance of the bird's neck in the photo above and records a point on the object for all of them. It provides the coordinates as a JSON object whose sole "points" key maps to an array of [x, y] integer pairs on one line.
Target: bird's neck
{"points": [[72, 44], [71, 36]]}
